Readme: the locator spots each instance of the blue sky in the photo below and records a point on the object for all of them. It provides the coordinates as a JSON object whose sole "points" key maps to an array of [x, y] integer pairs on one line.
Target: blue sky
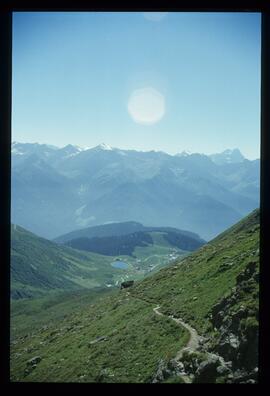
{"points": [[74, 75]]}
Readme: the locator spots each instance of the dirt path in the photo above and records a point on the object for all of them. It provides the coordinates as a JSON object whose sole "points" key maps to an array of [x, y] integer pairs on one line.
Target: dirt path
{"points": [[192, 344], [194, 338]]}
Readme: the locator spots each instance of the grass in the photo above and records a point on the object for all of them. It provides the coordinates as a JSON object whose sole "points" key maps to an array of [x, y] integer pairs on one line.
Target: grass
{"points": [[65, 331], [136, 339], [191, 287], [29, 315]]}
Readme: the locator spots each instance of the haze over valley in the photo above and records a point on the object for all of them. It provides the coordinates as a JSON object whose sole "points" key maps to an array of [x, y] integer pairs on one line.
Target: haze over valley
{"points": [[69, 188]]}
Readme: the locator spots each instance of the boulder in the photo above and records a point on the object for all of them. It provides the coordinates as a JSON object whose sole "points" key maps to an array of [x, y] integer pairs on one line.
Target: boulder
{"points": [[247, 272], [223, 370], [126, 284], [177, 366], [207, 370], [220, 306], [228, 346], [162, 372], [34, 361], [236, 318], [218, 319]]}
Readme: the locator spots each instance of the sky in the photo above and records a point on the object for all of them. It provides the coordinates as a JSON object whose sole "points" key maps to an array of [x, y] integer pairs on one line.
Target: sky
{"points": [[146, 81]]}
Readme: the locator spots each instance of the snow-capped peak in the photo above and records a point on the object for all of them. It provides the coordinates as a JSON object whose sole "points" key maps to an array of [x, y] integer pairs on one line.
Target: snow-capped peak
{"points": [[104, 146], [184, 153], [16, 148], [228, 156]]}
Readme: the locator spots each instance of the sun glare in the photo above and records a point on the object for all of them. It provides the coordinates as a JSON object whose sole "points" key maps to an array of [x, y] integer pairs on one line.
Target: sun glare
{"points": [[146, 106]]}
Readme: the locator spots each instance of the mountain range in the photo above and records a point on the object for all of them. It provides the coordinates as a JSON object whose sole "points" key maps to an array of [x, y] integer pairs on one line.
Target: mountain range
{"points": [[59, 190]]}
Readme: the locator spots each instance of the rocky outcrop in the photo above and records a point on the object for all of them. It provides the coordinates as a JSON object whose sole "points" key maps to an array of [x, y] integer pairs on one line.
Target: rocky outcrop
{"points": [[210, 369], [235, 322], [170, 369], [195, 367], [228, 352], [163, 372]]}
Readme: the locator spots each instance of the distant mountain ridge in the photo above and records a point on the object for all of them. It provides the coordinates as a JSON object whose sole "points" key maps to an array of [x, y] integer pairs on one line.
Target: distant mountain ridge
{"points": [[105, 230], [118, 229], [229, 155], [56, 191], [123, 238]]}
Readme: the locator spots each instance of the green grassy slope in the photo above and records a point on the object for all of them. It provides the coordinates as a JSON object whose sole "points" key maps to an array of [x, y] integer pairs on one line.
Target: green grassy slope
{"points": [[134, 341], [120, 339], [31, 314], [191, 287], [39, 266]]}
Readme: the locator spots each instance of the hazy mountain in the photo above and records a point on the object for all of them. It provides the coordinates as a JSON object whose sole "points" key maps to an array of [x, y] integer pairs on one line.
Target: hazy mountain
{"points": [[118, 229], [123, 238], [106, 230], [228, 157], [55, 191]]}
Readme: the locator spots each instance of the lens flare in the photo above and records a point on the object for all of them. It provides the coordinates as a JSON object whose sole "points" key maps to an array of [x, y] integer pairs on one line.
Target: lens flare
{"points": [[146, 106]]}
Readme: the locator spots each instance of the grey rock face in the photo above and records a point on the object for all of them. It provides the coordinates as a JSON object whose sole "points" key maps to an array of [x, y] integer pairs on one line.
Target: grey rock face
{"points": [[207, 371], [247, 273], [172, 368], [237, 329], [162, 372], [228, 346], [223, 370]]}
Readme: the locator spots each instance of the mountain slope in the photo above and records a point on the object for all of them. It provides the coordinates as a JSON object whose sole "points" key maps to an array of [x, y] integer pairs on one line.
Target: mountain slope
{"points": [[106, 230], [39, 266], [124, 238], [228, 157], [159, 201], [122, 338], [117, 229], [126, 244]]}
